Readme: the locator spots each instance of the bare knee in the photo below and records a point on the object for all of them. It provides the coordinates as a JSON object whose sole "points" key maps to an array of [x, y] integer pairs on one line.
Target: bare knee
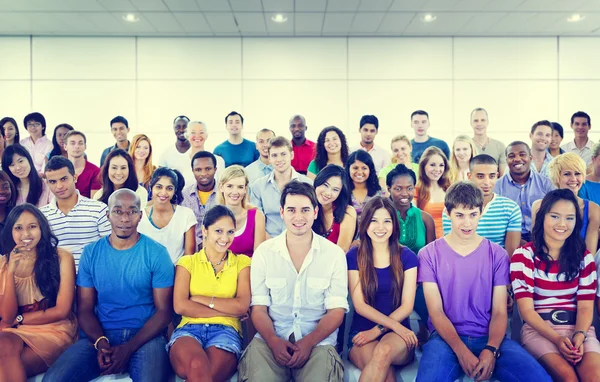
{"points": [[10, 345], [565, 372], [196, 365], [382, 354]]}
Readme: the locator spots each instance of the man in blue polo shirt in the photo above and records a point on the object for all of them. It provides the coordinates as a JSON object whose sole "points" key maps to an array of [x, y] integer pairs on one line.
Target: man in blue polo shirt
{"points": [[236, 149]]}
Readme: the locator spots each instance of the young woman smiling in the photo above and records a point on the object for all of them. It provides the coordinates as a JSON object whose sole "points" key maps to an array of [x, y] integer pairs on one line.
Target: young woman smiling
{"points": [[432, 185], [31, 188], [140, 151], [10, 131], [336, 220], [463, 150], [233, 193], [401, 154], [171, 225], [364, 185], [331, 148]]}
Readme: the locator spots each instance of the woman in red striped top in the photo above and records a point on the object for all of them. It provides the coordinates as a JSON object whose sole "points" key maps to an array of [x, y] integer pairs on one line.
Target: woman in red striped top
{"points": [[554, 281]]}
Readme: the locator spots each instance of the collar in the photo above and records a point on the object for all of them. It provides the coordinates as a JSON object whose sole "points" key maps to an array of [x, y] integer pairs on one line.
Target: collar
{"points": [[204, 259], [128, 145], [374, 148], [192, 189], [306, 143], [281, 244], [262, 165], [512, 181], [271, 177], [54, 204]]}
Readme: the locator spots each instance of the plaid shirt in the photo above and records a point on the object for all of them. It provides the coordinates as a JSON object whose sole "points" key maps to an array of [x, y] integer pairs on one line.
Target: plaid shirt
{"points": [[191, 200]]}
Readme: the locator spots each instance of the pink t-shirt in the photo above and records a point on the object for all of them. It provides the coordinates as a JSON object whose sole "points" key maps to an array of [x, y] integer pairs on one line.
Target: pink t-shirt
{"points": [[88, 180], [45, 197]]}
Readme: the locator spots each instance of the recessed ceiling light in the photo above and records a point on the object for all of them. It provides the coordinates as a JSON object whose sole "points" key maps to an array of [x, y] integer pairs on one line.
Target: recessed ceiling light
{"points": [[279, 18], [131, 18], [575, 18], [428, 17]]}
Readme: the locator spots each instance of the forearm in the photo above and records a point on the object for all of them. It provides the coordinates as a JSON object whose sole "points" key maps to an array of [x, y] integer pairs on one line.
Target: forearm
{"points": [[375, 316], [10, 306], [234, 306], [584, 318], [327, 325], [193, 309], [156, 324], [402, 312], [497, 329], [47, 316], [263, 324], [533, 319], [446, 330], [88, 322]]}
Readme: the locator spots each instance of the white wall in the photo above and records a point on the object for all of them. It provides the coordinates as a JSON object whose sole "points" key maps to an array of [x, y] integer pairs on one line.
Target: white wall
{"points": [[87, 81]]}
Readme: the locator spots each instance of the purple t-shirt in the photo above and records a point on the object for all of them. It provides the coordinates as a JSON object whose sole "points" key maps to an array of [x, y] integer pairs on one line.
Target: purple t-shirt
{"points": [[384, 298], [465, 282]]}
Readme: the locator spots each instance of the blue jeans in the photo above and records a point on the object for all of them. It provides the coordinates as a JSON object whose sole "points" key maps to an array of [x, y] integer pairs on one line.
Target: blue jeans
{"points": [[420, 306], [149, 363], [220, 336], [439, 363]]}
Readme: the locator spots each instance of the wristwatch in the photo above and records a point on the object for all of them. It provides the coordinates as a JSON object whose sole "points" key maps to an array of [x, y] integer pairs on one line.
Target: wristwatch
{"points": [[494, 351], [19, 319], [381, 328], [212, 305]]}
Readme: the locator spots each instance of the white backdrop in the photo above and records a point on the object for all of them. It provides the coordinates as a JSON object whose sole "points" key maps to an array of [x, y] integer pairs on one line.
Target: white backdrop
{"points": [[332, 81]]}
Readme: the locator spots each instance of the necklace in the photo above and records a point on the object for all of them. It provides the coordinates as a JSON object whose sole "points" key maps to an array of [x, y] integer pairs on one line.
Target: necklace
{"points": [[214, 266]]}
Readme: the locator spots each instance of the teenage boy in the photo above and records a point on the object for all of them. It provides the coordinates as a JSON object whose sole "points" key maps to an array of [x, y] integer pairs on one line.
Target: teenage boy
{"points": [[299, 298], [419, 121], [265, 192], [261, 166], [465, 279], [368, 128], [582, 145], [86, 173], [37, 143], [236, 149], [304, 149], [501, 218], [485, 144], [541, 136], [119, 127]]}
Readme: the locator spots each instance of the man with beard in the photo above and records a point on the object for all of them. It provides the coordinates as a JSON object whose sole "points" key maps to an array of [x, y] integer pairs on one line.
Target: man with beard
{"points": [[261, 166], [368, 128], [304, 150]]}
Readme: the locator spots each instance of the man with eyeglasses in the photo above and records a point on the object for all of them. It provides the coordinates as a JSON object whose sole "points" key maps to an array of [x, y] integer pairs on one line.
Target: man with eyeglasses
{"points": [[124, 298], [176, 156], [37, 143]]}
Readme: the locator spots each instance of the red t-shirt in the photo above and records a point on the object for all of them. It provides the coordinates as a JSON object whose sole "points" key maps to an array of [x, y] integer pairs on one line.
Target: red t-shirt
{"points": [[303, 154], [88, 180]]}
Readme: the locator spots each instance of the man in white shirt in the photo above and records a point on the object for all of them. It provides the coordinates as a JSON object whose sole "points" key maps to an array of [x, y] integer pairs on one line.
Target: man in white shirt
{"points": [[174, 157], [299, 283], [582, 145], [368, 128], [541, 135], [261, 166]]}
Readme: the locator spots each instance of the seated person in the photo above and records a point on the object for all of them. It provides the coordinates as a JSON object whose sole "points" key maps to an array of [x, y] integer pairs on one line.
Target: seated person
{"points": [[554, 279], [464, 278], [37, 285], [299, 296], [124, 302], [212, 292], [382, 277]]}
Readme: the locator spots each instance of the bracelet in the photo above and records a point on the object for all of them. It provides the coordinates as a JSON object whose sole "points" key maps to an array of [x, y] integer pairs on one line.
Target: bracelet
{"points": [[582, 332], [100, 339]]}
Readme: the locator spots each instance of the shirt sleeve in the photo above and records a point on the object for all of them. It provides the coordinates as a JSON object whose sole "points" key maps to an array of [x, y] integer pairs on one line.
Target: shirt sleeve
{"points": [[409, 259], [426, 271], [255, 198], [521, 273], [104, 227], [163, 272], [587, 278], [84, 275], [258, 278], [515, 219], [186, 262], [502, 156], [95, 181], [352, 259], [447, 224], [336, 296], [445, 148], [501, 266], [312, 167]]}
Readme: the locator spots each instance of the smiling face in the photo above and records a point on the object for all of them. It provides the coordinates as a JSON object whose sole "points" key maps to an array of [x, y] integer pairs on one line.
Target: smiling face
{"points": [[420, 124], [559, 222], [402, 191], [555, 141], [479, 122], [10, 131], [333, 144], [571, 179], [219, 235], [434, 169], [26, 231], [61, 183], [180, 128], [298, 128], [197, 134], [142, 150], [359, 172], [35, 129], [204, 171], [5, 192], [402, 151], [485, 177], [119, 131], [262, 143], [281, 158], [368, 132], [464, 221], [518, 160], [462, 152], [234, 125], [20, 167], [234, 191], [541, 137], [381, 226], [163, 190], [75, 146], [581, 127], [298, 214], [328, 192], [118, 171]]}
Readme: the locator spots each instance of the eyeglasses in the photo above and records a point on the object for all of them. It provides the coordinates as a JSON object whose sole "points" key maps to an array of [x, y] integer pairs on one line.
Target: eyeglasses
{"points": [[129, 213], [34, 124]]}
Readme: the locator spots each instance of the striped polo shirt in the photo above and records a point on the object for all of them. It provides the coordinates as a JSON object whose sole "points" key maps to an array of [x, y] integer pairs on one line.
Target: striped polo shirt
{"points": [[530, 278], [84, 224], [501, 215]]}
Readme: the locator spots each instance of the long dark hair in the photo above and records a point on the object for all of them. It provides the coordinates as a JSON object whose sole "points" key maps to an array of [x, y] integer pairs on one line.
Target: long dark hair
{"points": [[107, 186], [372, 183], [4, 121], [366, 268], [56, 149], [10, 203], [573, 249], [172, 175], [342, 201], [46, 269], [35, 181], [321, 154]]}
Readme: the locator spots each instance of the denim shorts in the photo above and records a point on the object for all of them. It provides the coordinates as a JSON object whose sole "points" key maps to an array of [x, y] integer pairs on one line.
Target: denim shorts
{"points": [[220, 336]]}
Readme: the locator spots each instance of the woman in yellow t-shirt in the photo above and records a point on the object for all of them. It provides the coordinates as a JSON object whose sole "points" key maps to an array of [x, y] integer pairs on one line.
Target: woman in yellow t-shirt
{"points": [[211, 293]]}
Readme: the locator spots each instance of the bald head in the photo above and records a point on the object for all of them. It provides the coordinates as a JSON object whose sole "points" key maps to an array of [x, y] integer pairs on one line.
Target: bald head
{"points": [[124, 196]]}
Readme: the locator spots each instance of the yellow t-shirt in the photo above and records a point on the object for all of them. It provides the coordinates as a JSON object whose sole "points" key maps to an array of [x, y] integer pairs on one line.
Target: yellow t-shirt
{"points": [[203, 196], [204, 282]]}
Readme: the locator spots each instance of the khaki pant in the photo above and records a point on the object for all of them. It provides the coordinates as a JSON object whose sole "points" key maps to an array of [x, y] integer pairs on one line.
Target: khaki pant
{"points": [[258, 365]]}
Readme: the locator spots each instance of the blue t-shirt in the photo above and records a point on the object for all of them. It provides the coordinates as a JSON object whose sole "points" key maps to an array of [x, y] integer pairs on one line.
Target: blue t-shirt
{"points": [[419, 148], [384, 297], [242, 154], [590, 191], [124, 280]]}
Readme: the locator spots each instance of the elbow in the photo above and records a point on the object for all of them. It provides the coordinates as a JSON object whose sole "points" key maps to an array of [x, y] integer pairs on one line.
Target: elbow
{"points": [[179, 307], [242, 308]]}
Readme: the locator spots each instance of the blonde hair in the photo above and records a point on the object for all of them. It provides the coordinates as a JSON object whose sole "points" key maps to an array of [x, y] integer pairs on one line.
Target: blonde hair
{"points": [[233, 172], [454, 167], [399, 138], [566, 161], [148, 166]]}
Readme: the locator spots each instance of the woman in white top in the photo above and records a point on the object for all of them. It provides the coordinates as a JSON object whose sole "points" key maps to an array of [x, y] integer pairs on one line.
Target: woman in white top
{"points": [[119, 172], [169, 224]]}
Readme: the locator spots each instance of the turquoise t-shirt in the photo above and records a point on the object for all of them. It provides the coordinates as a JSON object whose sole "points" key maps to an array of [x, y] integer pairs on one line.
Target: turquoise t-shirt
{"points": [[124, 280], [242, 154]]}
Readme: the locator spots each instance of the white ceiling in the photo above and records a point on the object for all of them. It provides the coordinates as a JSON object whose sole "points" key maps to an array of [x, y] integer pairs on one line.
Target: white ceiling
{"points": [[305, 17]]}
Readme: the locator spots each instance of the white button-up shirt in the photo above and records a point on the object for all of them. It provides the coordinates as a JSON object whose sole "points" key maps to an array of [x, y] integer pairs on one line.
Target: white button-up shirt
{"points": [[298, 300], [585, 152], [381, 158]]}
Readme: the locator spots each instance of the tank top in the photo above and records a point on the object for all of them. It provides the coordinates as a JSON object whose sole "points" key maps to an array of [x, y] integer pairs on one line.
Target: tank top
{"points": [[586, 207], [333, 234], [243, 244]]}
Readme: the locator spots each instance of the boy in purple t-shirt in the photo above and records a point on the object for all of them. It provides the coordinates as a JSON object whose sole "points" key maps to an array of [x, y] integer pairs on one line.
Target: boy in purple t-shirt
{"points": [[464, 279]]}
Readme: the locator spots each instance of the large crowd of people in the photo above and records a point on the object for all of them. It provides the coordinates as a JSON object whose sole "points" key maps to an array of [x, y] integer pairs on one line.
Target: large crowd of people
{"points": [[254, 258]]}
